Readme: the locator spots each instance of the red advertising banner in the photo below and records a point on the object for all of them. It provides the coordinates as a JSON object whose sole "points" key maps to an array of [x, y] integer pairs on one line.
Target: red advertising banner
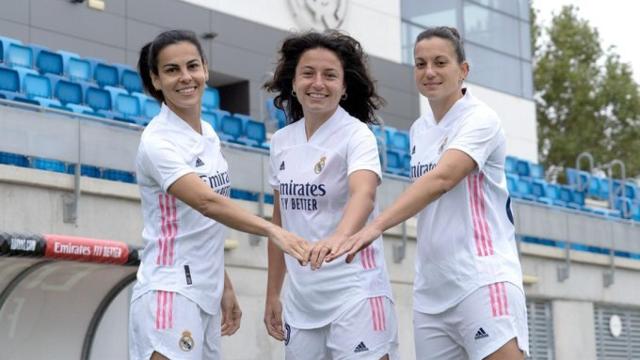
{"points": [[85, 249]]}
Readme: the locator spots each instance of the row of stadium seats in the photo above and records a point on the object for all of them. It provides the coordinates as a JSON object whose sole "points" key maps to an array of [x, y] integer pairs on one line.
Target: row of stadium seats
{"points": [[395, 144], [62, 167], [66, 81], [525, 180]]}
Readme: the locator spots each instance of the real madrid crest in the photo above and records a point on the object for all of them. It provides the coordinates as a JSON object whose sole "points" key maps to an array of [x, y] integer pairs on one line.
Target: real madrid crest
{"points": [[319, 15], [320, 165], [442, 145], [186, 341]]}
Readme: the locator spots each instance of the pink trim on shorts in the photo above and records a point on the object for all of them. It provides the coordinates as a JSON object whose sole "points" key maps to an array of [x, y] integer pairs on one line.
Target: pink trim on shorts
{"points": [[377, 313], [481, 232], [164, 310], [498, 299]]}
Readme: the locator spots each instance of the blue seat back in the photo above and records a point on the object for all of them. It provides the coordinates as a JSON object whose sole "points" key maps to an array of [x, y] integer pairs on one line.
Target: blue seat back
{"points": [[131, 81], [79, 69], [536, 171], [150, 108], [625, 206], [37, 86], [394, 161], [211, 118], [512, 181], [98, 99], [48, 164], [510, 165], [400, 141], [565, 194], [552, 191], [631, 190], [255, 130], [14, 159], [523, 168], [68, 92], [19, 55], [48, 62], [9, 80], [523, 187], [538, 188], [577, 197], [231, 125], [128, 105], [211, 98], [106, 75], [118, 175]]}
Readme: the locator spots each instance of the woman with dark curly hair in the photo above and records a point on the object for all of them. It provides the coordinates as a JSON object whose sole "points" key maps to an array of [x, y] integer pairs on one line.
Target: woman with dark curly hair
{"points": [[324, 170]]}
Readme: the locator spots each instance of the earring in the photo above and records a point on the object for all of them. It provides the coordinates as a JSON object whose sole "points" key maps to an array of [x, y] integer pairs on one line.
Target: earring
{"points": [[343, 97], [293, 93]]}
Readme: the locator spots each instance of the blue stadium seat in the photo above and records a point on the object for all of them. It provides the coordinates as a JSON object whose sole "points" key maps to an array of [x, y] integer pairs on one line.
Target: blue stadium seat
{"points": [[536, 171], [210, 99], [523, 189], [399, 141], [381, 135], [48, 62], [78, 69], [14, 159], [98, 99], [255, 134], [115, 91], [512, 183], [539, 191], [105, 75], [406, 165], [276, 116], [4, 46], [214, 118], [510, 165], [150, 108], [574, 175], [118, 175], [523, 168], [127, 109], [85, 170], [131, 81], [36, 87], [631, 190], [67, 92], [394, 162], [635, 211], [48, 164], [19, 55], [9, 82], [625, 206], [230, 128]]}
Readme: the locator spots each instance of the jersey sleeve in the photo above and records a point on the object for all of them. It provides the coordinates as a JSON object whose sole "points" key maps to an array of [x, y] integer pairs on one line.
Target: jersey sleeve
{"points": [[477, 137], [362, 152], [162, 162], [273, 166]]}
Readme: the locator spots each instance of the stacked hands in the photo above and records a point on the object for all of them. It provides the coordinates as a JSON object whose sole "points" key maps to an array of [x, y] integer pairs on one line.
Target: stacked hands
{"points": [[313, 254], [325, 250]]}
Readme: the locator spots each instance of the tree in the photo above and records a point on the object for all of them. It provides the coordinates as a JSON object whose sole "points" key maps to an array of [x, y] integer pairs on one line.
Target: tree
{"points": [[586, 98]]}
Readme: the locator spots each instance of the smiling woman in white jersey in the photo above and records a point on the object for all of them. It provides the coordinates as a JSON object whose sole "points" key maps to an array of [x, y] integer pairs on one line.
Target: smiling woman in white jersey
{"points": [[183, 300], [468, 296], [324, 171]]}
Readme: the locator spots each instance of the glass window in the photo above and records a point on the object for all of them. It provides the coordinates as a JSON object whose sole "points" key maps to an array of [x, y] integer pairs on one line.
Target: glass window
{"points": [[492, 29], [508, 6], [523, 7], [494, 70], [525, 40], [431, 13], [409, 35], [527, 79]]}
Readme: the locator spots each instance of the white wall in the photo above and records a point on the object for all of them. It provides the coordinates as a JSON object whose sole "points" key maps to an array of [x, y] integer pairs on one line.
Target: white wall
{"points": [[375, 23], [518, 117]]}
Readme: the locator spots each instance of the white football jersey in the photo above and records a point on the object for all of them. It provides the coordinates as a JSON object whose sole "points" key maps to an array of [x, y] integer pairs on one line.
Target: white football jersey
{"points": [[312, 179], [466, 238], [183, 250]]}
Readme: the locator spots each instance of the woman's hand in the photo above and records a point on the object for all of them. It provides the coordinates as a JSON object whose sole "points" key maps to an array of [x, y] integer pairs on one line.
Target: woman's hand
{"points": [[273, 317], [290, 243], [356, 242], [231, 313], [324, 248]]}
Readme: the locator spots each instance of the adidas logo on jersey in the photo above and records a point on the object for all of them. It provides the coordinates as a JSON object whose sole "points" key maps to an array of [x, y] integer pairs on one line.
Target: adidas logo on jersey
{"points": [[481, 334], [361, 347], [199, 162], [413, 150], [282, 165]]}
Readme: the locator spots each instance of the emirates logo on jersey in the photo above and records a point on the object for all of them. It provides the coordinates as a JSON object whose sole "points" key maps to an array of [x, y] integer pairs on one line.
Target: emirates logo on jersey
{"points": [[442, 145], [320, 165]]}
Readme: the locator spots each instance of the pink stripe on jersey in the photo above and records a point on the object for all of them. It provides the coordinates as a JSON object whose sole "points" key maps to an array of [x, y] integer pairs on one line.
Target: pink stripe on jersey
{"points": [[158, 306], [383, 324], [504, 299], [173, 211], [474, 214], [163, 222], [171, 296], [483, 216], [367, 258]]}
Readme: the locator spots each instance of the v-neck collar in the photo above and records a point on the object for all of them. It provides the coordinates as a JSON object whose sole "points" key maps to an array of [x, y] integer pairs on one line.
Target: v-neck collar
{"points": [[452, 114], [324, 130], [175, 120]]}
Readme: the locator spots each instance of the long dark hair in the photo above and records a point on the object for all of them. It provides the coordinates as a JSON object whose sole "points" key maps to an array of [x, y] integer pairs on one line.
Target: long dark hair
{"points": [[446, 33], [148, 60], [361, 100]]}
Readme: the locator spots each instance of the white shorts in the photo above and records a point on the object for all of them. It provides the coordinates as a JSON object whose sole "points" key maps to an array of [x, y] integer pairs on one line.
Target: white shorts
{"points": [[475, 328], [368, 330], [174, 326]]}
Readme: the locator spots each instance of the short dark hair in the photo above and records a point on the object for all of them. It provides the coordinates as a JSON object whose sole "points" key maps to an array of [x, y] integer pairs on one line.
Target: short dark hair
{"points": [[148, 60], [446, 33], [362, 99]]}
